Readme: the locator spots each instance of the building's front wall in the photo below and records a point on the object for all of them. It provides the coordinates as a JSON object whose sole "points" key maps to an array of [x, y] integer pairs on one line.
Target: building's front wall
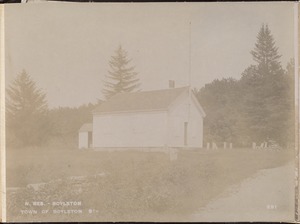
{"points": [[83, 140], [137, 129], [185, 110]]}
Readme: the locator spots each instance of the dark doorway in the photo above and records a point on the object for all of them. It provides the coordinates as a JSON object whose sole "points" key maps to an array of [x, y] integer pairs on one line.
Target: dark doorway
{"points": [[90, 139], [185, 133]]}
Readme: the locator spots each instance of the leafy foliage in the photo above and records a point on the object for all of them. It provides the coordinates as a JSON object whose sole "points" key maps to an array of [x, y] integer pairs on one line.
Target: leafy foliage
{"points": [[121, 78], [66, 122], [258, 107], [219, 100]]}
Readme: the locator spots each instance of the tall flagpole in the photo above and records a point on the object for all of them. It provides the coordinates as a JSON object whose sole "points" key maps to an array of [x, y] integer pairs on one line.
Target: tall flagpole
{"points": [[189, 84], [190, 54], [190, 58]]}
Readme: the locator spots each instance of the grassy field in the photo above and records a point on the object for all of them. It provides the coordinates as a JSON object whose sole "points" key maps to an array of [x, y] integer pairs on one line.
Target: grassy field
{"points": [[138, 186]]}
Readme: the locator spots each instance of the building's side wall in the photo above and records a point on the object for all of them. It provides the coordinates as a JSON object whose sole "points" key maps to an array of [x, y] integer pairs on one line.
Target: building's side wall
{"points": [[143, 129], [185, 111], [196, 127], [83, 140]]}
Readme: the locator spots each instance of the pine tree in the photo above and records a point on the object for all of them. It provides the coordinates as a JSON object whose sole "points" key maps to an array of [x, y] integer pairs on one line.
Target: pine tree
{"points": [[265, 53], [259, 107], [266, 92], [26, 110], [121, 77]]}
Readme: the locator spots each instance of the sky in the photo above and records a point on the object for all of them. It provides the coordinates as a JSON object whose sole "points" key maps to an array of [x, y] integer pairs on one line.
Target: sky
{"points": [[66, 47]]}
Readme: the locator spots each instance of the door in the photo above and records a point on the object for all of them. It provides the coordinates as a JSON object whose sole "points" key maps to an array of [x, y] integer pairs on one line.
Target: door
{"points": [[185, 133], [90, 139]]}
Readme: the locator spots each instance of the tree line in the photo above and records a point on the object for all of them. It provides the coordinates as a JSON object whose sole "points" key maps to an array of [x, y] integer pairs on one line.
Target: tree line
{"points": [[29, 121], [257, 107]]}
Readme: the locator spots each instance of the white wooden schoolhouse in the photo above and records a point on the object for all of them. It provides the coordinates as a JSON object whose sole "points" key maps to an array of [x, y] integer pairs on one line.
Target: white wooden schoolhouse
{"points": [[162, 118]]}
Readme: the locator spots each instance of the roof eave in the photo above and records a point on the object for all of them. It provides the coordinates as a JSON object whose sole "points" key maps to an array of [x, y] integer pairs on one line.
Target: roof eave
{"points": [[198, 105], [127, 111]]}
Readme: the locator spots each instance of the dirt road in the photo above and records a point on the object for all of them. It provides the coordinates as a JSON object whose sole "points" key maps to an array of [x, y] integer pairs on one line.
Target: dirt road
{"points": [[266, 196]]}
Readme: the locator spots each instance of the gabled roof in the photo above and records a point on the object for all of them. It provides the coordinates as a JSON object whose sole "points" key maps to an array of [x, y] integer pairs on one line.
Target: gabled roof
{"points": [[140, 101], [86, 127]]}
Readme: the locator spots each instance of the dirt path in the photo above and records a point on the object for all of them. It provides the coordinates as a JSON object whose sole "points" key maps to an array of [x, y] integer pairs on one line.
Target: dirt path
{"points": [[267, 196]]}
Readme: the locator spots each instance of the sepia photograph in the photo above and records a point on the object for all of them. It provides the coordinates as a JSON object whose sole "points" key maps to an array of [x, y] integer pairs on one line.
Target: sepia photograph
{"points": [[150, 112]]}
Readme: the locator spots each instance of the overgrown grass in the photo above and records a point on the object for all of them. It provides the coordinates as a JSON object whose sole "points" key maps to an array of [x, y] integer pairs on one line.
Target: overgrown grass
{"points": [[138, 186]]}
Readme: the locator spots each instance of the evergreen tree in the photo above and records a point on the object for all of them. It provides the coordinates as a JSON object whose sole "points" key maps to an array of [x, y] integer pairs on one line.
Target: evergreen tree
{"points": [[266, 93], [121, 77], [265, 53], [259, 107], [26, 112]]}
